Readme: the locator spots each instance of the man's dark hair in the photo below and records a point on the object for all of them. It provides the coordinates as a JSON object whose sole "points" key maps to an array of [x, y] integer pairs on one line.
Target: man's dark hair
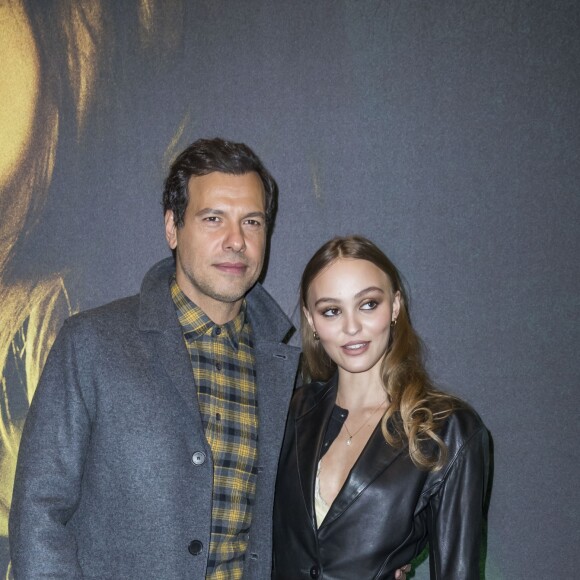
{"points": [[205, 156]]}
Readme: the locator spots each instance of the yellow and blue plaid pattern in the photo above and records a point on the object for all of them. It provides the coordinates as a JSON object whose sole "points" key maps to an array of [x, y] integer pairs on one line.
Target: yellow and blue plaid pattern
{"points": [[223, 364]]}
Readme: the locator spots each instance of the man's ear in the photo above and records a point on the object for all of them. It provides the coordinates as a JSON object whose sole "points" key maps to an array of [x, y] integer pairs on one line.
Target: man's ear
{"points": [[170, 229]]}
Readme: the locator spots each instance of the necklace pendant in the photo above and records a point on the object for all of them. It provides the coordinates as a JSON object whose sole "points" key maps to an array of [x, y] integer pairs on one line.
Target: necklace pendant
{"points": [[349, 440]]}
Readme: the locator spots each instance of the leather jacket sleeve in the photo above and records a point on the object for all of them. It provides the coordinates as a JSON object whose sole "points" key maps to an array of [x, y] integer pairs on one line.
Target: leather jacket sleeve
{"points": [[456, 512]]}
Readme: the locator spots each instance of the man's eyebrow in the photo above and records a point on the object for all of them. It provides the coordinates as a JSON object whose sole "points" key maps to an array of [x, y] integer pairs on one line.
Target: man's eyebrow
{"points": [[209, 210], [214, 211], [357, 295], [259, 214]]}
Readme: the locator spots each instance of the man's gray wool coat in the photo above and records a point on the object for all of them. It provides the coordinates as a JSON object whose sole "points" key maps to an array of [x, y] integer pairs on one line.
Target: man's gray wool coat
{"points": [[114, 478]]}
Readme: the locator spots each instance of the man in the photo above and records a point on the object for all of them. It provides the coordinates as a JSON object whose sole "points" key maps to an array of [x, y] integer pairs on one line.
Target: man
{"points": [[151, 445]]}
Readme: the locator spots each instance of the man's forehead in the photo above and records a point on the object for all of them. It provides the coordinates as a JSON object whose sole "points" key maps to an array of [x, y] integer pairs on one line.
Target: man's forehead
{"points": [[228, 189]]}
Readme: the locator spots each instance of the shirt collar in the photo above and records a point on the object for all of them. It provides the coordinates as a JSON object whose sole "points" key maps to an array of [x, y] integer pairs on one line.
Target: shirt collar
{"points": [[195, 323]]}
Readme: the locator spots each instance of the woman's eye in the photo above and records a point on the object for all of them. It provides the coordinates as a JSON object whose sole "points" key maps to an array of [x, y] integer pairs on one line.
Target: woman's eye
{"points": [[369, 305], [329, 312]]}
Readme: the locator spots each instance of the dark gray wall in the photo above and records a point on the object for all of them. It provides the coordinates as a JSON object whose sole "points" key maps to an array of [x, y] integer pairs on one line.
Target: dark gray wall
{"points": [[446, 131]]}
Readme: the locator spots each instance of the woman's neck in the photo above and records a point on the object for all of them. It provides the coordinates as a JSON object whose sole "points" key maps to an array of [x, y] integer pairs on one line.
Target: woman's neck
{"points": [[360, 390]]}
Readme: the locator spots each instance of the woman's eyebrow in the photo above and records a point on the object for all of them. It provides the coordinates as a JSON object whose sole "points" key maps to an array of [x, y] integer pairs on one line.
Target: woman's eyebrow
{"points": [[369, 289], [357, 295]]}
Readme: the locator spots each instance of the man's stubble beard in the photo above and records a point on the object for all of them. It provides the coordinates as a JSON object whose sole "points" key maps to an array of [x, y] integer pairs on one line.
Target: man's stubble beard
{"points": [[211, 289]]}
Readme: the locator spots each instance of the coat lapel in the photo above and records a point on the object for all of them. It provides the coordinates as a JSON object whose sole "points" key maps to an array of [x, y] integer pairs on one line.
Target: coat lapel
{"points": [[375, 458], [173, 354], [310, 430], [158, 320], [274, 359], [276, 366]]}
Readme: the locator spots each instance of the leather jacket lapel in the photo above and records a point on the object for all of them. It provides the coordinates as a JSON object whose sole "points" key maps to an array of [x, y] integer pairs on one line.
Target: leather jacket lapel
{"points": [[374, 459], [310, 430]]}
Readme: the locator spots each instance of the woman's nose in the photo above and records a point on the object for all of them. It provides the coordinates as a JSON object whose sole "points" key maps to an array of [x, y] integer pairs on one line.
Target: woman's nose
{"points": [[352, 324]]}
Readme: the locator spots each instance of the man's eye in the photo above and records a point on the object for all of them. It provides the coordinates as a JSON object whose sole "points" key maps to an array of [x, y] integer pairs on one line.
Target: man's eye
{"points": [[370, 305], [254, 223]]}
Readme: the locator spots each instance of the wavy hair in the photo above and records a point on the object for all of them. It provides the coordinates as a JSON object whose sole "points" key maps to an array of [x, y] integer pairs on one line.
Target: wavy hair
{"points": [[416, 407]]}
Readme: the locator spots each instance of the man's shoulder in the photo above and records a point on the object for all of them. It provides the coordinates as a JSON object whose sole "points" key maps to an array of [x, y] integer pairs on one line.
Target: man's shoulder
{"points": [[120, 312], [127, 311]]}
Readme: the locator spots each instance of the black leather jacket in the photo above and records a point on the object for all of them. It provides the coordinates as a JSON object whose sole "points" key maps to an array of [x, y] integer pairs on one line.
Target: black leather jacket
{"points": [[387, 510]]}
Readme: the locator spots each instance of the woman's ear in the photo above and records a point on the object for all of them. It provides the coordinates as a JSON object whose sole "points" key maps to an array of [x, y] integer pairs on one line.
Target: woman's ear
{"points": [[396, 305], [309, 318]]}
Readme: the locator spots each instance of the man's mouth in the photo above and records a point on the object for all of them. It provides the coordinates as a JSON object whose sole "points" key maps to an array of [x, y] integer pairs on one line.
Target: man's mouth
{"points": [[235, 268]]}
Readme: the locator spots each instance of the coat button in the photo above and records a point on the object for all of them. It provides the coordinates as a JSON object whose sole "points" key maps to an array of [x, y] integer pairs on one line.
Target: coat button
{"points": [[198, 458], [195, 547], [314, 572]]}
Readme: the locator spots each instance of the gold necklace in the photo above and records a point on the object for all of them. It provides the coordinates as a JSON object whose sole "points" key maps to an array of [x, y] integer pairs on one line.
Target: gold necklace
{"points": [[351, 435]]}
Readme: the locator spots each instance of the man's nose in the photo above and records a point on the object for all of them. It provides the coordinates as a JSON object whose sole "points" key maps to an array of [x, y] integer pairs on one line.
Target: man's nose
{"points": [[234, 239]]}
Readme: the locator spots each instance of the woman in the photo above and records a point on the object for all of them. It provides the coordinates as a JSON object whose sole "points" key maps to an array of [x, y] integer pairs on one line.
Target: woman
{"points": [[376, 461]]}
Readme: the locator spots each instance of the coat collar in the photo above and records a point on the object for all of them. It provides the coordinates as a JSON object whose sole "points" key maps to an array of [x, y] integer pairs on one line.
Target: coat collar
{"points": [[310, 429], [270, 326], [157, 311]]}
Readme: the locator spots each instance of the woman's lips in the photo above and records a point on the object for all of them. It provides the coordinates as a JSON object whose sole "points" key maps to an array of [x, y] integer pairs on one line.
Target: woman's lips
{"points": [[355, 348]]}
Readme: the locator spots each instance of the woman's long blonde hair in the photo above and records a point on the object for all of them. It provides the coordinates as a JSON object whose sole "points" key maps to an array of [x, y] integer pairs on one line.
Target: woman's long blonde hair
{"points": [[416, 407]]}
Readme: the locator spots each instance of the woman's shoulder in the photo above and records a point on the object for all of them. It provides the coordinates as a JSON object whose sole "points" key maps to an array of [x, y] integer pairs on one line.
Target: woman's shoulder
{"points": [[465, 416], [308, 395], [461, 427]]}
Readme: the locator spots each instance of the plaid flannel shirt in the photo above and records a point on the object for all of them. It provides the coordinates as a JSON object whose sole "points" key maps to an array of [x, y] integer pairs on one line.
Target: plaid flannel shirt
{"points": [[223, 364]]}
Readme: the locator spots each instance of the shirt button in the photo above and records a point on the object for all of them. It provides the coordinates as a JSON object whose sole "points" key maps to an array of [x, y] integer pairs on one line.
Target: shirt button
{"points": [[218, 331], [314, 572], [198, 458], [195, 547], [218, 366]]}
